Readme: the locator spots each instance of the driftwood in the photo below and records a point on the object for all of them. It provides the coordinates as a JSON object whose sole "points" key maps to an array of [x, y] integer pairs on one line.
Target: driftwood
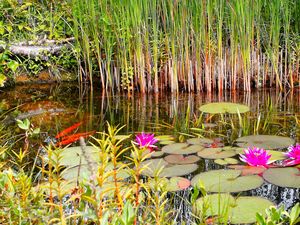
{"points": [[39, 48]]}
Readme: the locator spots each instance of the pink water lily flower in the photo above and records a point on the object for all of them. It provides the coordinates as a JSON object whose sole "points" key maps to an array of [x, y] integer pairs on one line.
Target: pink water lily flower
{"points": [[255, 157], [293, 154], [144, 140]]}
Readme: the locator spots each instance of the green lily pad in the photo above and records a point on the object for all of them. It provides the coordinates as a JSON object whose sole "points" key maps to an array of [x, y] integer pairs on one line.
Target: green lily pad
{"points": [[226, 181], [149, 154], [172, 184], [214, 205], [226, 161], [265, 141], [65, 187], [246, 208], [180, 159], [283, 177], [181, 148], [227, 209], [109, 189], [83, 173], [73, 156], [167, 142], [199, 141], [160, 168], [231, 161], [216, 153], [221, 162], [248, 170], [224, 107]]}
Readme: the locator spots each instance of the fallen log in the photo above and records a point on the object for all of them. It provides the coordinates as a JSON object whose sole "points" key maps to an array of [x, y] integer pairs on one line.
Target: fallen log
{"points": [[40, 48]]}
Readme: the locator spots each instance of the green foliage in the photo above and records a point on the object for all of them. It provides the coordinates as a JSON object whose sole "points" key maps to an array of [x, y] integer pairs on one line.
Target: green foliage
{"points": [[277, 216]]}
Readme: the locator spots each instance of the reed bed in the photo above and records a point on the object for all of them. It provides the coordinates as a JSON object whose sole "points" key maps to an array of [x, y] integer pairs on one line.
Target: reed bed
{"points": [[189, 45]]}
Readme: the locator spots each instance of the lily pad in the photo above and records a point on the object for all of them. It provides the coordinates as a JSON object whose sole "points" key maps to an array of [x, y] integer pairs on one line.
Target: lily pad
{"points": [[216, 153], [226, 161], [226, 181], [167, 142], [172, 184], [246, 208], [265, 141], [224, 107], [180, 159], [221, 162], [84, 173], [181, 148], [214, 205], [160, 168], [248, 170], [238, 211], [283, 177], [199, 141], [73, 156], [231, 161], [150, 154]]}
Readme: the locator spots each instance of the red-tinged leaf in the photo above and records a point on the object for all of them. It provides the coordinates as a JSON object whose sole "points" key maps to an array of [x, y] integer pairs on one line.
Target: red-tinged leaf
{"points": [[248, 170], [183, 184], [68, 130]]}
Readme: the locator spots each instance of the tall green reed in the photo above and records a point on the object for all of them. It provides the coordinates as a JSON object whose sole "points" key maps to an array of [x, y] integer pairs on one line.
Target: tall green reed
{"points": [[188, 45]]}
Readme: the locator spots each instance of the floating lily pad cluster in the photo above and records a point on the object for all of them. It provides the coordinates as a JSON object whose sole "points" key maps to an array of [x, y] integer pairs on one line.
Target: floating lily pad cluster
{"points": [[241, 210]]}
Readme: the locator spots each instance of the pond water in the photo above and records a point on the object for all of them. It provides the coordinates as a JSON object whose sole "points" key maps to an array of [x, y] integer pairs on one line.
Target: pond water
{"points": [[57, 106]]}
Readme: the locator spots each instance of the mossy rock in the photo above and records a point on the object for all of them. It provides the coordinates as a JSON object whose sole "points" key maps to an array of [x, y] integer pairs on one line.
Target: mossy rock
{"points": [[224, 107], [226, 181]]}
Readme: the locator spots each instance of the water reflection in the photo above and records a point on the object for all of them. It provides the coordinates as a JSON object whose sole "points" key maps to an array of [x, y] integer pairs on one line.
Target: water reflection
{"points": [[142, 112]]}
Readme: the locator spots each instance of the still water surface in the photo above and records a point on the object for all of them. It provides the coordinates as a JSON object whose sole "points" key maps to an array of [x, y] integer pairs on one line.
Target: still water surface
{"points": [[57, 106]]}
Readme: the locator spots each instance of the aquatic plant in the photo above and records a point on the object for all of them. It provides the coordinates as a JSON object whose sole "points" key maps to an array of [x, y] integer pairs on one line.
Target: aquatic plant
{"points": [[293, 154], [145, 140], [255, 157]]}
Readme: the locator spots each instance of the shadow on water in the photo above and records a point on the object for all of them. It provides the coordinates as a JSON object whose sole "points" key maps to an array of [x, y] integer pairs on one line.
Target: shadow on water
{"points": [[57, 106]]}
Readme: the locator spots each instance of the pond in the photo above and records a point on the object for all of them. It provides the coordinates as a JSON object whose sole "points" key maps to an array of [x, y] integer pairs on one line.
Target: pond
{"points": [[55, 107]]}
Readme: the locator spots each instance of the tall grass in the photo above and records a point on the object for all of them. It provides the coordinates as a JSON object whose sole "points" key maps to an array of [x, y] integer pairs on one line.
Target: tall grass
{"points": [[189, 45]]}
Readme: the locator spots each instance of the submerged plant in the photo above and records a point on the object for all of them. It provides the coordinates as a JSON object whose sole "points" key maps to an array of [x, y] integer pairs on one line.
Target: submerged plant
{"points": [[293, 154], [256, 157], [144, 140]]}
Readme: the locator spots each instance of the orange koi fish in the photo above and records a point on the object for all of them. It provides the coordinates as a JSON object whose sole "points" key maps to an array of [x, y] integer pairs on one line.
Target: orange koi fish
{"points": [[68, 130]]}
